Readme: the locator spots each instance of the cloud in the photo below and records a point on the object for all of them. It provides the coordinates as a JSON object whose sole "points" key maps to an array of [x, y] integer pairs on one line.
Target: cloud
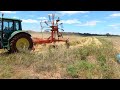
{"points": [[115, 26], [71, 21], [16, 17], [72, 12], [42, 18], [89, 23], [29, 21], [112, 25], [114, 15], [8, 12]]}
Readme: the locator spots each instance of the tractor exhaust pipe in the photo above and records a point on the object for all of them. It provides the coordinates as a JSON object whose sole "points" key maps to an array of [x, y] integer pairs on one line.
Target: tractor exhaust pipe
{"points": [[1, 44], [2, 26]]}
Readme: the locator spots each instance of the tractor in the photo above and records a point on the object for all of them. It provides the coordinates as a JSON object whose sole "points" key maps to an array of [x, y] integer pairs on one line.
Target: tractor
{"points": [[12, 37]]}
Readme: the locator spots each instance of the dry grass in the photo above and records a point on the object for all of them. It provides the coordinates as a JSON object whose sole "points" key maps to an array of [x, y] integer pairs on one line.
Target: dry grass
{"points": [[87, 57]]}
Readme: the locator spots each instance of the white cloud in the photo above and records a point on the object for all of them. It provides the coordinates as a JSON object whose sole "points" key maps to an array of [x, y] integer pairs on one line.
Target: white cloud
{"points": [[42, 18], [72, 12], [29, 21], [112, 25], [71, 21], [115, 26], [16, 17], [89, 23], [8, 12], [113, 15]]}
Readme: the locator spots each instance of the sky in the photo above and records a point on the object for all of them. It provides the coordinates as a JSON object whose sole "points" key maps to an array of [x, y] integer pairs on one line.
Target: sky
{"points": [[95, 22]]}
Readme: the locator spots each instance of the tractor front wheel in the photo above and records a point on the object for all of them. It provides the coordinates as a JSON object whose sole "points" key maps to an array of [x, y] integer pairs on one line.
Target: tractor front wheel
{"points": [[21, 42]]}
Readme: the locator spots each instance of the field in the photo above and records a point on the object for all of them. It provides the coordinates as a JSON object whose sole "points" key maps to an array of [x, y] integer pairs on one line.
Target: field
{"points": [[87, 58]]}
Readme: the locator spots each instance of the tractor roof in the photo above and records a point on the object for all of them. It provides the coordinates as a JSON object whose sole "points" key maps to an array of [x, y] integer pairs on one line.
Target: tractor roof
{"points": [[10, 19]]}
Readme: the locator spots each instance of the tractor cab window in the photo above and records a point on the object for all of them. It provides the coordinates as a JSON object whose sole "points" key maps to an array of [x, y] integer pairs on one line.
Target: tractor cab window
{"points": [[5, 26], [8, 26], [16, 27]]}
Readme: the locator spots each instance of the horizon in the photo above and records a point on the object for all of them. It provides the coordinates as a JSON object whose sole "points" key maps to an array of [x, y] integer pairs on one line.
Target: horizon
{"points": [[94, 22], [68, 32]]}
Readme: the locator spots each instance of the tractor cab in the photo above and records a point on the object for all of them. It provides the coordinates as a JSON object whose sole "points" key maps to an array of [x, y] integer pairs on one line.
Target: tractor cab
{"points": [[9, 26]]}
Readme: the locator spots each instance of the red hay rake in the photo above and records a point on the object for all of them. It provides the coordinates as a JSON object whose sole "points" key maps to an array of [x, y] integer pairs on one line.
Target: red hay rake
{"points": [[54, 31]]}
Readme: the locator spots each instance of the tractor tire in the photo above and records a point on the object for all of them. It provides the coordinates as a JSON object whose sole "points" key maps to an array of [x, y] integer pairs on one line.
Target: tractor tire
{"points": [[20, 39]]}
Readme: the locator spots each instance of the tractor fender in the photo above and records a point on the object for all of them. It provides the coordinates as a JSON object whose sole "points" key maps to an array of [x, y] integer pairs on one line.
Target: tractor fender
{"points": [[13, 35], [16, 33]]}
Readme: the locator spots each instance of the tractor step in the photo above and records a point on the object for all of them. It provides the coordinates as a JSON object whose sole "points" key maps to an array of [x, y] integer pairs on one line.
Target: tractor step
{"points": [[5, 44]]}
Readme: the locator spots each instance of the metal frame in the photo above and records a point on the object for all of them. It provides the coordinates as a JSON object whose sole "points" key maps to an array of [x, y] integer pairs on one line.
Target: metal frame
{"points": [[51, 39]]}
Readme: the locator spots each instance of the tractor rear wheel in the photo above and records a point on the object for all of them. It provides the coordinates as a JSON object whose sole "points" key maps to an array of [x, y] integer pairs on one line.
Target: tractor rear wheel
{"points": [[21, 42]]}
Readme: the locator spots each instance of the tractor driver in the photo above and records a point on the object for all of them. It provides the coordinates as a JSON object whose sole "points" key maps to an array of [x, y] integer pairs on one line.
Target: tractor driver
{"points": [[6, 29], [11, 27]]}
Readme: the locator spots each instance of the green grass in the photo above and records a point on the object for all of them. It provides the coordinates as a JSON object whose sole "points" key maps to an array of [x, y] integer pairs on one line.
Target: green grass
{"points": [[80, 68], [102, 69]]}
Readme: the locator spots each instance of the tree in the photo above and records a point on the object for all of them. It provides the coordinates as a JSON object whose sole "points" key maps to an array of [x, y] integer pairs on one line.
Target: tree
{"points": [[107, 34]]}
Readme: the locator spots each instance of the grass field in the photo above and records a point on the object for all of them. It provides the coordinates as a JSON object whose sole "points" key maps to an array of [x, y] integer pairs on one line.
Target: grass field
{"points": [[87, 58]]}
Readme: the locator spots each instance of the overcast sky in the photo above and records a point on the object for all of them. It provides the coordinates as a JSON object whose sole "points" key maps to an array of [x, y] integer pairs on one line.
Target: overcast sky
{"points": [[99, 22]]}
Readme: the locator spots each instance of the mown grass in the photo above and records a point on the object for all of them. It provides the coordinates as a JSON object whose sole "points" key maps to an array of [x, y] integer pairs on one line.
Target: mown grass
{"points": [[104, 66], [83, 62]]}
